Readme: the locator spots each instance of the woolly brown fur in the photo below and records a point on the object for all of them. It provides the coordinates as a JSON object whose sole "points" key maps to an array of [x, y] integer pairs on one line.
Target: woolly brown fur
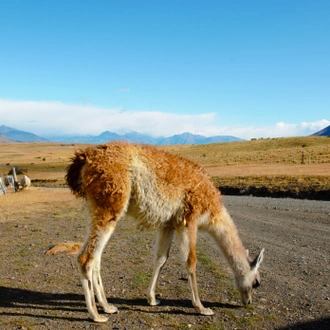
{"points": [[161, 191], [102, 173]]}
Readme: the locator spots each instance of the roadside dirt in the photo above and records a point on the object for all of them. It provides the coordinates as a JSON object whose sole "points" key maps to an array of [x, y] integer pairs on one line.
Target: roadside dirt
{"points": [[39, 291]]}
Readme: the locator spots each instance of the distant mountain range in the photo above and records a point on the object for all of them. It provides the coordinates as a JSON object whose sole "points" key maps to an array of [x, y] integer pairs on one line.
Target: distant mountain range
{"points": [[4, 139], [14, 135], [184, 138], [323, 132], [11, 135]]}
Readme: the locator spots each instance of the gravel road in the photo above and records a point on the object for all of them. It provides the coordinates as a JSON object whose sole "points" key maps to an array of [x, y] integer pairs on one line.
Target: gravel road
{"points": [[296, 269]]}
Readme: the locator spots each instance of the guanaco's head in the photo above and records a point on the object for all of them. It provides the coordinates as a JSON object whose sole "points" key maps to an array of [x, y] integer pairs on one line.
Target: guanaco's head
{"points": [[251, 281]]}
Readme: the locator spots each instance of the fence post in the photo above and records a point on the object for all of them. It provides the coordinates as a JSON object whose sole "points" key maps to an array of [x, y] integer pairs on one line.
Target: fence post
{"points": [[16, 187]]}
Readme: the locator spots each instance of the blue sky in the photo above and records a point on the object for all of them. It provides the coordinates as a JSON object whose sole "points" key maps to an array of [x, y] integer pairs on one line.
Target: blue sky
{"points": [[163, 67]]}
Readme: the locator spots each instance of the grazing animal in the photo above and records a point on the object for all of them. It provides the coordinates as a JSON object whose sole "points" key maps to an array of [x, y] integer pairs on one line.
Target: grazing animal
{"points": [[160, 191], [9, 181], [2, 188], [25, 182]]}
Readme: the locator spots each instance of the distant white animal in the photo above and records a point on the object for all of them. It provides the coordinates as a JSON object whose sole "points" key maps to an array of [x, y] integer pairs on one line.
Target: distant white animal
{"points": [[2, 188], [25, 182], [9, 181]]}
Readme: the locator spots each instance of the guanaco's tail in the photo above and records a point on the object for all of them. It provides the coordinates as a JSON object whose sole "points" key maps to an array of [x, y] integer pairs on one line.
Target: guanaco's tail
{"points": [[70, 248], [73, 175], [73, 179]]}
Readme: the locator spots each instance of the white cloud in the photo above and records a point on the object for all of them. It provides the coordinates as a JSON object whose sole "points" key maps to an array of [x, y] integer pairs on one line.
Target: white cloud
{"points": [[52, 118], [55, 118], [280, 129]]}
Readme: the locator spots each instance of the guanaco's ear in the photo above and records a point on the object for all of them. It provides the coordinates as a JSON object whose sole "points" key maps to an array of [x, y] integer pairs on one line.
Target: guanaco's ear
{"points": [[258, 260]]}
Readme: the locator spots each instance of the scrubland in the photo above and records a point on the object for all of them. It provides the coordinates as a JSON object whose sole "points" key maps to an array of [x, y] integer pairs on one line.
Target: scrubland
{"points": [[280, 166]]}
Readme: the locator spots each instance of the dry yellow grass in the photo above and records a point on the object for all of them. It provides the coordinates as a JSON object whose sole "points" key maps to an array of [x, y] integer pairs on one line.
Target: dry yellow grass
{"points": [[322, 169], [304, 158], [284, 164], [280, 151], [41, 161], [35, 203]]}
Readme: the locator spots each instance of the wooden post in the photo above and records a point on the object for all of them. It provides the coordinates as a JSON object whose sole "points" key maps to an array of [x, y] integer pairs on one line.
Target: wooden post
{"points": [[303, 158], [16, 187]]}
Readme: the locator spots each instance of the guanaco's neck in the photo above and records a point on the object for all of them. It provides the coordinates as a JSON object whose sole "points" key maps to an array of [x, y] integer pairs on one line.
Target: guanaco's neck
{"points": [[224, 232]]}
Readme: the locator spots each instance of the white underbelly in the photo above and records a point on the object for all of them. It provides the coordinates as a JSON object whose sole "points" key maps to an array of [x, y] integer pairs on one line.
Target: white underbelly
{"points": [[155, 213]]}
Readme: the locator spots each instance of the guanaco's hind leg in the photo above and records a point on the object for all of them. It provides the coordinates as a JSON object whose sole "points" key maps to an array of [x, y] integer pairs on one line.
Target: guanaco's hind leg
{"points": [[188, 237], [89, 261], [163, 244]]}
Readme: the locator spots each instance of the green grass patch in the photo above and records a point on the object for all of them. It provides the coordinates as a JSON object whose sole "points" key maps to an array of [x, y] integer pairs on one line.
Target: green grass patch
{"points": [[141, 280], [210, 265], [249, 321]]}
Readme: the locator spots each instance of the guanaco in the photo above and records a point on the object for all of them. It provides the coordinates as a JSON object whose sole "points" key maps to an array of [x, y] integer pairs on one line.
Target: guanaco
{"points": [[161, 191]]}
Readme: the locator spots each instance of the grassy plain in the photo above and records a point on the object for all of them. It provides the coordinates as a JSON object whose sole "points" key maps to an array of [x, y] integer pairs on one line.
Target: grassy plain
{"points": [[297, 164]]}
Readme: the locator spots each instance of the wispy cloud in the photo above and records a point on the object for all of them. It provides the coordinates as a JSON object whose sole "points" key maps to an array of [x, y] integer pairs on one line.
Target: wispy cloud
{"points": [[123, 90], [56, 118]]}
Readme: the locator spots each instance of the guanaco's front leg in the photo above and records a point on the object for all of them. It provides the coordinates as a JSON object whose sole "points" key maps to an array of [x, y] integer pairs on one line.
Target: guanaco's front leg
{"points": [[188, 246]]}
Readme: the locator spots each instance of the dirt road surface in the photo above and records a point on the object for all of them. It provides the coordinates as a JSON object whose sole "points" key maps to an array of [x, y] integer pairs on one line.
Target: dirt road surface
{"points": [[296, 236], [39, 291]]}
